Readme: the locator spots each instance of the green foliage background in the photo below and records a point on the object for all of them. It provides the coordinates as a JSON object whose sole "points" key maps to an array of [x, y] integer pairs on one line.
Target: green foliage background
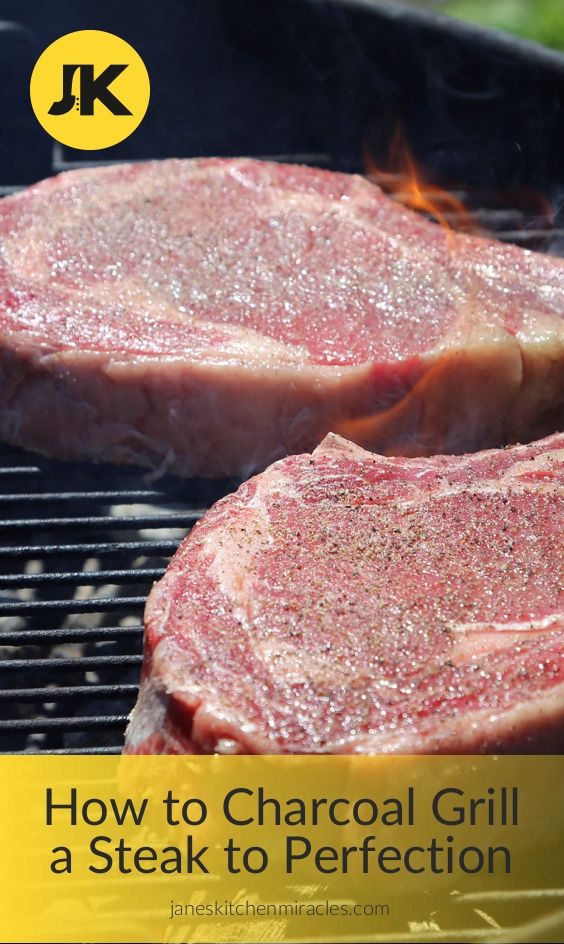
{"points": [[541, 20]]}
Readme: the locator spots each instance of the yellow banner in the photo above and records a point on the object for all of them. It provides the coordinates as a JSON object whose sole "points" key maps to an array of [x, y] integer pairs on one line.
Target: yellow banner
{"points": [[198, 849]]}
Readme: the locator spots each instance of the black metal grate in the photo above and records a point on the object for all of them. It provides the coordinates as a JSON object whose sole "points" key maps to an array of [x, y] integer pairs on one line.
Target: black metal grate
{"points": [[76, 563]]}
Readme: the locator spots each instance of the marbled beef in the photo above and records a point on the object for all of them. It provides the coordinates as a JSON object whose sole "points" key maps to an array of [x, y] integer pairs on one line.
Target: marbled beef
{"points": [[345, 602], [210, 316]]}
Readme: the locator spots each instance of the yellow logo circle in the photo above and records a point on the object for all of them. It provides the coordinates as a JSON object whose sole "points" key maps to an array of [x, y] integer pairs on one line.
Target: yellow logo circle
{"points": [[89, 89]]}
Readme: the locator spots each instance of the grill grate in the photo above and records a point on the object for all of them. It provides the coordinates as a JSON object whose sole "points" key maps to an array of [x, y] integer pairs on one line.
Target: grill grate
{"points": [[71, 612]]}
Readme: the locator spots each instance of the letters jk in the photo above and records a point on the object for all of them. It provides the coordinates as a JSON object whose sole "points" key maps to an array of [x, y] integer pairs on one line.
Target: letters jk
{"points": [[90, 90]]}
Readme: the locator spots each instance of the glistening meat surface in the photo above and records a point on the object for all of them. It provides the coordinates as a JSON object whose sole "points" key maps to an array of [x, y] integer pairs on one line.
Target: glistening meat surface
{"points": [[210, 316], [347, 602]]}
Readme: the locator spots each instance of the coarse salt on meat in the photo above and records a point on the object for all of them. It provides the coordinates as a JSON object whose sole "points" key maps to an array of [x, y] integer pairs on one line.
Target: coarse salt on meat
{"points": [[345, 602]]}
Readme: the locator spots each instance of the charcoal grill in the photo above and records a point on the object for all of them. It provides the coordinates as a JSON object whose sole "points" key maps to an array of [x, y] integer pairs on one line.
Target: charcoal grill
{"points": [[314, 82], [76, 563]]}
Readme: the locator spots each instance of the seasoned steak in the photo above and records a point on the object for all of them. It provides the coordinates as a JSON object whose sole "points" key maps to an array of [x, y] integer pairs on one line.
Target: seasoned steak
{"points": [[345, 602], [210, 316]]}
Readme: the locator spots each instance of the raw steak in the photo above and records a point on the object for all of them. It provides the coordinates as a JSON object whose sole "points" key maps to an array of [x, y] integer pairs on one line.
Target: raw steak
{"points": [[210, 316], [346, 602]]}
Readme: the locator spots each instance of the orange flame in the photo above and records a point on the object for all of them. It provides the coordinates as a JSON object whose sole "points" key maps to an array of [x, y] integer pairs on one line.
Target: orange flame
{"points": [[405, 182]]}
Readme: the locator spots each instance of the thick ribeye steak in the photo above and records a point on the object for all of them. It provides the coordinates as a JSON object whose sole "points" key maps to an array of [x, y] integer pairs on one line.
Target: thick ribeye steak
{"points": [[210, 316], [346, 602]]}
